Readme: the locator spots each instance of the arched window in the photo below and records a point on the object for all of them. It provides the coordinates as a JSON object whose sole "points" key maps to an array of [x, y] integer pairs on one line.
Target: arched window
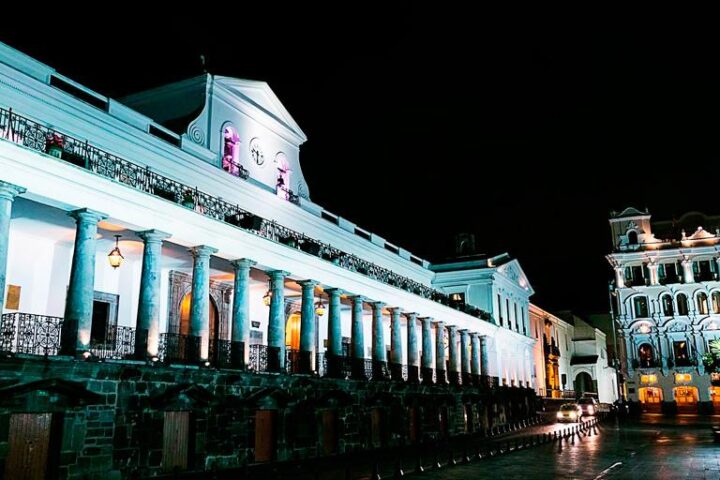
{"points": [[716, 302], [682, 304], [231, 151], [283, 177], [641, 310], [667, 305], [702, 303], [632, 237], [646, 355]]}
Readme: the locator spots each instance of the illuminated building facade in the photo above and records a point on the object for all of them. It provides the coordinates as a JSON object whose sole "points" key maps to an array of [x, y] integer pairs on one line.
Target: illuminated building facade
{"points": [[570, 357], [166, 277], [666, 299]]}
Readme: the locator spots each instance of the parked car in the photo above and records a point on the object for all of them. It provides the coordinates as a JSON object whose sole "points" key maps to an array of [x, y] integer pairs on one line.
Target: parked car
{"points": [[588, 405], [569, 412]]}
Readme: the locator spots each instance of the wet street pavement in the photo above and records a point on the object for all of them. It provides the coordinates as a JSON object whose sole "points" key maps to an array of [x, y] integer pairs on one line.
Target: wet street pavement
{"points": [[652, 447]]}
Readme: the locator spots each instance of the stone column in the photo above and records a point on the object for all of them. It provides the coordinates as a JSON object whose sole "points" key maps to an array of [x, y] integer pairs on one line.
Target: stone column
{"points": [[334, 351], [412, 348], [440, 365], [358, 340], [8, 192], [147, 332], [379, 354], [77, 322], [240, 346], [396, 350], [484, 356], [307, 327], [688, 275], [475, 362], [653, 271], [619, 277], [453, 370], [465, 357], [276, 322], [427, 352], [200, 301]]}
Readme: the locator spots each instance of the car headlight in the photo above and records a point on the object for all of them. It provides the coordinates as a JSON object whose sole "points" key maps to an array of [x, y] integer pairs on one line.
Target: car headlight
{"points": [[559, 415], [591, 410], [573, 415]]}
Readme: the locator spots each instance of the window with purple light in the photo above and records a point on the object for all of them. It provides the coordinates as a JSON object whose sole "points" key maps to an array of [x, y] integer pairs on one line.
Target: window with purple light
{"points": [[231, 151]]}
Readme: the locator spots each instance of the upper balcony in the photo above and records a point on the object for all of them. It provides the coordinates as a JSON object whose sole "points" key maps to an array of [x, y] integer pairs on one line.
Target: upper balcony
{"points": [[36, 136]]}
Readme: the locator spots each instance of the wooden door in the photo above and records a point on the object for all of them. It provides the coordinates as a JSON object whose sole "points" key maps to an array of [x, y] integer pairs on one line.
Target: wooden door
{"points": [[176, 434], [265, 435], [329, 432], [413, 425], [28, 444], [376, 427]]}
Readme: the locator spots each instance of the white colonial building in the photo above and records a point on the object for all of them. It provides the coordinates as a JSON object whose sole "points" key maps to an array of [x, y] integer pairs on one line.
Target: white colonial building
{"points": [[176, 225], [571, 357], [666, 298]]}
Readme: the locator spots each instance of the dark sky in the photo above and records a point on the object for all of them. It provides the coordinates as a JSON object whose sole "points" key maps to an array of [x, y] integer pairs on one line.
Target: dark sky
{"points": [[525, 128]]}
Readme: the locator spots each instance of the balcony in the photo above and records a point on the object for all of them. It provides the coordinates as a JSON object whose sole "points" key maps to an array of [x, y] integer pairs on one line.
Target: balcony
{"points": [[41, 138]]}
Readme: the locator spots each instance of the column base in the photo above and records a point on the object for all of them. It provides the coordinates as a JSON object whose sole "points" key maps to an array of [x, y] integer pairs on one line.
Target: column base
{"points": [[274, 363], [413, 374], [396, 372], [441, 378], [476, 380], [141, 345], [454, 378], [237, 355], [427, 376], [304, 360], [357, 369], [379, 370], [467, 379]]}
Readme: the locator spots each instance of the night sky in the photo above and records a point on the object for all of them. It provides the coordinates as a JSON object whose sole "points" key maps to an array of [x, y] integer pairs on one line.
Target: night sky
{"points": [[522, 127]]}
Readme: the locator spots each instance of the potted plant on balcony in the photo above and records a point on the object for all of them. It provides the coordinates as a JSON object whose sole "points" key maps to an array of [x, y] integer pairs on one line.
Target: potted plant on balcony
{"points": [[54, 145], [188, 200]]}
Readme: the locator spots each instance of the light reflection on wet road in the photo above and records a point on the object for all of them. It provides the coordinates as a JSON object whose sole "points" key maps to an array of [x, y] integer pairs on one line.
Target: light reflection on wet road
{"points": [[653, 447]]}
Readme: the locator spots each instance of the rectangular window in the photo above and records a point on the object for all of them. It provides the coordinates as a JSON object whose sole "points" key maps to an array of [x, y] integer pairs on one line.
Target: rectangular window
{"points": [[668, 273], [637, 275], [702, 271], [517, 320], [641, 309], [499, 310], [648, 379], [680, 352], [507, 312]]}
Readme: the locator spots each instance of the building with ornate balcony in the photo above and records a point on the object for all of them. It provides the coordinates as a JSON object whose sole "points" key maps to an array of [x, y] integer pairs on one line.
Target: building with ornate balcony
{"points": [[570, 357], [666, 300], [173, 300]]}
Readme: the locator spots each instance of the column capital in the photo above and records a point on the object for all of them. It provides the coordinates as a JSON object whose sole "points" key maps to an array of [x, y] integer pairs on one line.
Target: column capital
{"points": [[396, 310], [426, 319], [409, 315], [464, 331], [277, 274], [308, 283], [241, 263], [334, 291], [202, 251], [452, 328], [439, 323], [152, 236], [358, 299], [9, 191], [86, 215], [377, 305]]}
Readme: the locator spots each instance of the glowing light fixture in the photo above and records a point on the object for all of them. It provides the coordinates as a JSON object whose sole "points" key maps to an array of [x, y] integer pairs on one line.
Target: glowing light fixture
{"points": [[267, 297], [644, 328], [320, 307], [115, 257]]}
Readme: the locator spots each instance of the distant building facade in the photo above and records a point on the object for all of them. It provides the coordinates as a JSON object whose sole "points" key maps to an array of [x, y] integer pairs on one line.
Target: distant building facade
{"points": [[666, 300], [570, 357]]}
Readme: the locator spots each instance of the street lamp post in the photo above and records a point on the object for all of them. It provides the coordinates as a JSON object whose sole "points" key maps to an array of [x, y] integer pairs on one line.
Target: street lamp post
{"points": [[616, 354]]}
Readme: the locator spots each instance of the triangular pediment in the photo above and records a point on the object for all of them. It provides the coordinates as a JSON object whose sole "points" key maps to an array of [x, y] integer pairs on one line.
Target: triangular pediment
{"points": [[260, 95], [514, 272]]}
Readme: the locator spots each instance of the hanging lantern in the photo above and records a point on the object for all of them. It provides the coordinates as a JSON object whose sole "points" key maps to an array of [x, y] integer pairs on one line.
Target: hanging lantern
{"points": [[267, 297], [115, 257], [320, 308]]}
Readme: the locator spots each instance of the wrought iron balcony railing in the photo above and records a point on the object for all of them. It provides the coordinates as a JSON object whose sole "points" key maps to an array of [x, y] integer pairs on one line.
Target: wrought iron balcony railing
{"points": [[31, 134], [30, 334], [179, 348], [119, 343]]}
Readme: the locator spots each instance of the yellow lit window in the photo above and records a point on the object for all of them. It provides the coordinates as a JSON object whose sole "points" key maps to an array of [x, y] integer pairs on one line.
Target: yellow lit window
{"points": [[648, 378], [683, 377]]}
